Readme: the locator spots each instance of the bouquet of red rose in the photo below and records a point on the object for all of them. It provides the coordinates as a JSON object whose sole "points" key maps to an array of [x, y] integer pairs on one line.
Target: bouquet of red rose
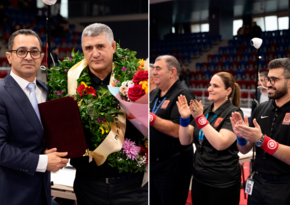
{"points": [[133, 98]]}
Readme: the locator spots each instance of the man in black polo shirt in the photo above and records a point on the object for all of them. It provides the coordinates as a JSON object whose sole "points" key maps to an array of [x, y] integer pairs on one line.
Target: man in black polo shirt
{"points": [[104, 185], [269, 131], [170, 162]]}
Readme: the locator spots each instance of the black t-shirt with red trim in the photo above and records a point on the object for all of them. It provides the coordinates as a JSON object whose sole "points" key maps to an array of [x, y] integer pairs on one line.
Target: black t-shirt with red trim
{"points": [[162, 145], [275, 123], [220, 169]]}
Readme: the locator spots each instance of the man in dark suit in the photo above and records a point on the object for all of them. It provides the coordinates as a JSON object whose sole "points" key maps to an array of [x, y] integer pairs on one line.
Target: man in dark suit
{"points": [[24, 163]]}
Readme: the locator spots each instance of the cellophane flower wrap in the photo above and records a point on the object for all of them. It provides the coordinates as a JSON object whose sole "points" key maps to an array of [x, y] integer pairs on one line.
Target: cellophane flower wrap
{"points": [[99, 108], [132, 90]]}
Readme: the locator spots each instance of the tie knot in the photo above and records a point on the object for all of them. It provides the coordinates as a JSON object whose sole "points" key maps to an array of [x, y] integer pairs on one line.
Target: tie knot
{"points": [[31, 87]]}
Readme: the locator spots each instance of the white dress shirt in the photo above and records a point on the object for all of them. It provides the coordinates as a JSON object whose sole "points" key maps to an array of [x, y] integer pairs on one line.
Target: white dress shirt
{"points": [[264, 97], [41, 97]]}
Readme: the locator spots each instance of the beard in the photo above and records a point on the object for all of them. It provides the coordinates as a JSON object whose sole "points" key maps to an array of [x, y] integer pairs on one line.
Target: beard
{"points": [[278, 92]]}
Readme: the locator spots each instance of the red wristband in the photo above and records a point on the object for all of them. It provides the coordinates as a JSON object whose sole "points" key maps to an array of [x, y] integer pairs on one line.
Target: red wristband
{"points": [[269, 145], [152, 118], [201, 121]]}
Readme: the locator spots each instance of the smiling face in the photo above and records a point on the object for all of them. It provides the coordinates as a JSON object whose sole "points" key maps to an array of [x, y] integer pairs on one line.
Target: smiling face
{"points": [[98, 52], [217, 91], [27, 67], [162, 76], [280, 88]]}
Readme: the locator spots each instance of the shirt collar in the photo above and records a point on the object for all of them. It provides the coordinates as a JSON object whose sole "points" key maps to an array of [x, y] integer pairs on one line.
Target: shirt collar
{"points": [[98, 81], [171, 89], [21, 82], [284, 108], [221, 108]]}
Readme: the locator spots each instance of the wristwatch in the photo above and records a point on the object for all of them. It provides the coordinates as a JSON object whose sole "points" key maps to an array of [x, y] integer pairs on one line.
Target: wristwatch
{"points": [[260, 141]]}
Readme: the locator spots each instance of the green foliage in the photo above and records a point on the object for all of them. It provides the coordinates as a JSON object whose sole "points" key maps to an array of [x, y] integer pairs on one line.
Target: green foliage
{"points": [[57, 76], [98, 112], [124, 58]]}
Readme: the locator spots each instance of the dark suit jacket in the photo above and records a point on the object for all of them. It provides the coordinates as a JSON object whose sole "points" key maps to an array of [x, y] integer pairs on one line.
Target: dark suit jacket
{"points": [[21, 142]]}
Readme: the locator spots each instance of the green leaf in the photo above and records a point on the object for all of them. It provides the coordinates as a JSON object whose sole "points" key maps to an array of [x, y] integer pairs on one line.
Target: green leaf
{"points": [[109, 118]]}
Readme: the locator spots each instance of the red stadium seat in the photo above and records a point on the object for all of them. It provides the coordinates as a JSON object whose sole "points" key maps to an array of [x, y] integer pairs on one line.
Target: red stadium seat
{"points": [[220, 66], [254, 55], [3, 74], [252, 64], [205, 65], [239, 56], [242, 48], [287, 53], [235, 65], [244, 95], [197, 93], [224, 57], [271, 55], [210, 58]]}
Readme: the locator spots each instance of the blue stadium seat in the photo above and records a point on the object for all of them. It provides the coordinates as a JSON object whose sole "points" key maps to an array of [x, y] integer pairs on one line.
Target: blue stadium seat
{"points": [[212, 66]]}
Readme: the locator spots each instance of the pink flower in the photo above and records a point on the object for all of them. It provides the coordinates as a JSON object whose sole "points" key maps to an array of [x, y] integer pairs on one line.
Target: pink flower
{"points": [[130, 149], [123, 69], [124, 90]]}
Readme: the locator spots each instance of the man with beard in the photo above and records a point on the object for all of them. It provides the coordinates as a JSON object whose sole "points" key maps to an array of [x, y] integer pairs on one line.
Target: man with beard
{"points": [[269, 131]]}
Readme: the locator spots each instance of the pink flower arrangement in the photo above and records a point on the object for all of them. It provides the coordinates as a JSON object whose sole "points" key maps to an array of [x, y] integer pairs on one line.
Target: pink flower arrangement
{"points": [[131, 149]]}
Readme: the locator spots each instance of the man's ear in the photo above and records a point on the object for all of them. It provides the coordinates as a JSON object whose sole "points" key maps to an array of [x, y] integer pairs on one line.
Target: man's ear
{"points": [[114, 46], [8, 56], [174, 71]]}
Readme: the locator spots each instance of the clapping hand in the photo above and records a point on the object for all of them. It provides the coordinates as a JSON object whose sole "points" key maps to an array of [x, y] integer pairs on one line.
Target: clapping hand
{"points": [[196, 108], [183, 107], [237, 119]]}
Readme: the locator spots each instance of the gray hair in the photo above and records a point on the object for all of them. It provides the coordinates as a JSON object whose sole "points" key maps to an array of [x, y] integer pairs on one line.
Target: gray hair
{"points": [[97, 29], [26, 32], [281, 63], [265, 74], [171, 61], [151, 65]]}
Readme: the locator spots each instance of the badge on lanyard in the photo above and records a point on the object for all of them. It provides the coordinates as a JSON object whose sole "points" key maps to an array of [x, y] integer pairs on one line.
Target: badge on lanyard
{"points": [[249, 184]]}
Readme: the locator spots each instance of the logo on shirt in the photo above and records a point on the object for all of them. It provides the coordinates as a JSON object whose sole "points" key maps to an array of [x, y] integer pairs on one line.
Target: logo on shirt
{"points": [[165, 104], [286, 120], [218, 122]]}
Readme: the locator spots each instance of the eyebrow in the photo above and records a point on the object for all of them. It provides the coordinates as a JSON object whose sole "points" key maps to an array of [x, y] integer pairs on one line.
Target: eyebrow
{"points": [[99, 44], [27, 48], [156, 67]]}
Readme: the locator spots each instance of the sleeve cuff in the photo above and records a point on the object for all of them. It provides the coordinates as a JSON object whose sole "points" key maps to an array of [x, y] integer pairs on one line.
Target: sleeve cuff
{"points": [[42, 163]]}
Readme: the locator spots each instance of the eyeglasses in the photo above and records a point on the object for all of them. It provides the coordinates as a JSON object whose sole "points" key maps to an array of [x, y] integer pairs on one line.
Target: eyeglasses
{"points": [[273, 80], [22, 53]]}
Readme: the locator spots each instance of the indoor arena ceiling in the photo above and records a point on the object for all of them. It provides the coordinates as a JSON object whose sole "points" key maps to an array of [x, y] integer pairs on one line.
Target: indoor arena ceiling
{"points": [[197, 10]]}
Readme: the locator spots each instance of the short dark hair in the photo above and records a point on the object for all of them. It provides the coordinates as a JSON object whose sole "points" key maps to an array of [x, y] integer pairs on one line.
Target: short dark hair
{"points": [[27, 32], [171, 62], [281, 63]]}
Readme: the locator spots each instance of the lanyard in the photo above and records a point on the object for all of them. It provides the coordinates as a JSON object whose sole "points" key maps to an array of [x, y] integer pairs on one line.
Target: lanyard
{"points": [[154, 110], [201, 135]]}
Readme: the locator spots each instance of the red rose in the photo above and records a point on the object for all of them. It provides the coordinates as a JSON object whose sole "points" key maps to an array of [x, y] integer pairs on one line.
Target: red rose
{"points": [[80, 89], [91, 90], [143, 150], [135, 92], [140, 76]]}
